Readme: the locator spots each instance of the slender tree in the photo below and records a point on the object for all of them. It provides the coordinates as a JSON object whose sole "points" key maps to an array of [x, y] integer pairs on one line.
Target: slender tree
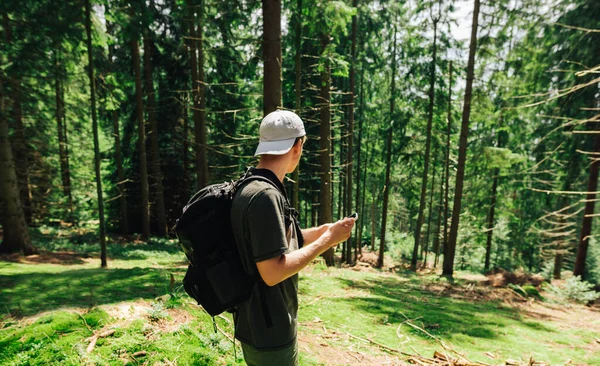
{"points": [[462, 151], [388, 166], [325, 211], [141, 144], [271, 55], [88, 30], [298, 95], [350, 149], [413, 262], [60, 122], [153, 133]]}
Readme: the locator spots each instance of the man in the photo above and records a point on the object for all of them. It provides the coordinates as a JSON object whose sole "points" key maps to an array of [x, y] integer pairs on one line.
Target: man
{"points": [[271, 243]]}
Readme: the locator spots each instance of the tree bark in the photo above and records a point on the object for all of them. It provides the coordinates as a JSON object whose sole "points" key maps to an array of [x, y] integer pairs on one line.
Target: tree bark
{"points": [[18, 139], [198, 90], [462, 152], [120, 174], [413, 262], [388, 168], [490, 228], [447, 165], [359, 194], [325, 212], [15, 235], [62, 144], [586, 226], [153, 132], [429, 213], [271, 55], [88, 29], [298, 97], [139, 108], [349, 161]]}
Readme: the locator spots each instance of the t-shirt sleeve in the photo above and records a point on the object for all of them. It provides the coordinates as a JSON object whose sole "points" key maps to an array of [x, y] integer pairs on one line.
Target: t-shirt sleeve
{"points": [[267, 226]]}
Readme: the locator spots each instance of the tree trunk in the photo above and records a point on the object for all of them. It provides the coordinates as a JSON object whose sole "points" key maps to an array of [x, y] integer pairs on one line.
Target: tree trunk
{"points": [[413, 262], [18, 140], [88, 29], [154, 150], [359, 194], [586, 226], [558, 260], [298, 97], [462, 152], [349, 161], [62, 144], [490, 228], [15, 235], [271, 55], [429, 214], [447, 165], [199, 106], [139, 108], [325, 213], [388, 168], [120, 174]]}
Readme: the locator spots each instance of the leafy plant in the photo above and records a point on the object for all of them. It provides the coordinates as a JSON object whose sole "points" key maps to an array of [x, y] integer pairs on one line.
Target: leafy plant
{"points": [[575, 290]]}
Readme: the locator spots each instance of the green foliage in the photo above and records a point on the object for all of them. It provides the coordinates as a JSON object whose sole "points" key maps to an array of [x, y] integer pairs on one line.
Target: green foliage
{"points": [[575, 290]]}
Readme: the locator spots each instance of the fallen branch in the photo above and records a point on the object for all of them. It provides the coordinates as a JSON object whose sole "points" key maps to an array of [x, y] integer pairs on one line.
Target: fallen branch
{"points": [[93, 339]]}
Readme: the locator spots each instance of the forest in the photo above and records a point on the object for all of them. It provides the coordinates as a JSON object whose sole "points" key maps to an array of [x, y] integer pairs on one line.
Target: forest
{"points": [[463, 132]]}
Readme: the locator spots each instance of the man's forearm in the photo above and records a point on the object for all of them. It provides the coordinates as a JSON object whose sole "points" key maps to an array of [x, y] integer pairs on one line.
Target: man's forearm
{"points": [[313, 233], [280, 268]]}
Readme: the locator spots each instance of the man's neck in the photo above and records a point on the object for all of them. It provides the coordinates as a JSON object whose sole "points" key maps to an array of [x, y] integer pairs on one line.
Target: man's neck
{"points": [[276, 167]]}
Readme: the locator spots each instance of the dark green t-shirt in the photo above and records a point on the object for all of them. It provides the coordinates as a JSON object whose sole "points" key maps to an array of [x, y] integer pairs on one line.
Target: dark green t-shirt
{"points": [[262, 232]]}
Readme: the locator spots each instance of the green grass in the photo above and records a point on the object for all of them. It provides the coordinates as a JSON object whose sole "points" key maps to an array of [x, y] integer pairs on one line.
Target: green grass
{"points": [[50, 311]]}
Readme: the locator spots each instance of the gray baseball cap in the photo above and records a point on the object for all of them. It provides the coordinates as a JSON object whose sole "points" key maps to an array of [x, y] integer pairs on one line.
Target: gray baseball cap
{"points": [[278, 131]]}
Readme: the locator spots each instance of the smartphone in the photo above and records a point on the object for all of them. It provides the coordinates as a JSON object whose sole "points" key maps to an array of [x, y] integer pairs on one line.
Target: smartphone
{"points": [[353, 216]]}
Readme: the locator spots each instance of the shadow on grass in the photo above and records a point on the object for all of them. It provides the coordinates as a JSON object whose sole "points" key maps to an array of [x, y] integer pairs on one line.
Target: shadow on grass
{"points": [[393, 302], [26, 294]]}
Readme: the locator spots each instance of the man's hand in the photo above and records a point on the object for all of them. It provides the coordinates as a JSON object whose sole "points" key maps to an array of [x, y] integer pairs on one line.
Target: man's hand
{"points": [[339, 231]]}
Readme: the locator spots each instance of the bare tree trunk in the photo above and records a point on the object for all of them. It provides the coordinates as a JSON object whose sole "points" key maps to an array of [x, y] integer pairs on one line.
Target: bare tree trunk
{"points": [[429, 214], [154, 150], [462, 152], [490, 228], [15, 235], [88, 28], [18, 139], [349, 161], [271, 55], [139, 108], [120, 174], [388, 168], [359, 195], [298, 95], [590, 200], [325, 212], [199, 106], [62, 143], [447, 166], [413, 262]]}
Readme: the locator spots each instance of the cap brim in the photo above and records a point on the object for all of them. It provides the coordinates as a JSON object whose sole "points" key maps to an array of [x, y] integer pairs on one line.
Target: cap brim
{"points": [[274, 147]]}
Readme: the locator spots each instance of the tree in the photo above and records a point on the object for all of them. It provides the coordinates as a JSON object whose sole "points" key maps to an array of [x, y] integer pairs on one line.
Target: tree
{"points": [[153, 132], [271, 55], [325, 212], [413, 263], [141, 144], [388, 167], [448, 266], [88, 30], [16, 236]]}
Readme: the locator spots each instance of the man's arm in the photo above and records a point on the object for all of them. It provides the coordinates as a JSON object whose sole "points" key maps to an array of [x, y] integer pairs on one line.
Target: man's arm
{"points": [[277, 269], [314, 233]]}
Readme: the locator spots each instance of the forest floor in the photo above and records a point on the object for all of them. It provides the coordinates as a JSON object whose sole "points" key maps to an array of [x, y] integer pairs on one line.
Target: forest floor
{"points": [[60, 307]]}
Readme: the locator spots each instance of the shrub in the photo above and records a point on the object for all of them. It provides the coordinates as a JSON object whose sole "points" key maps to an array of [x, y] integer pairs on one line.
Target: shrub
{"points": [[575, 290]]}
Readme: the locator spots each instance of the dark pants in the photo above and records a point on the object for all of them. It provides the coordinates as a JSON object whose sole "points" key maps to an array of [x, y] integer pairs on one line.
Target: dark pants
{"points": [[282, 357]]}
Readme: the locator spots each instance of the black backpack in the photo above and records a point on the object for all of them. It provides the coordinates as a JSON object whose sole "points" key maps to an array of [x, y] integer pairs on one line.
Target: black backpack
{"points": [[215, 275]]}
